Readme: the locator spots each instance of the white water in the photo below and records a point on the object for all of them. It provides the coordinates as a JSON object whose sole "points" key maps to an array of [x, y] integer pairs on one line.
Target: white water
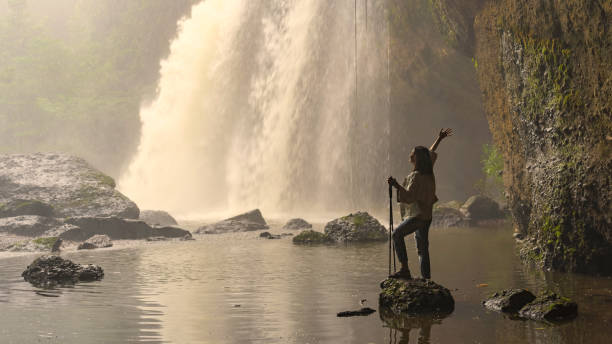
{"points": [[256, 109]]}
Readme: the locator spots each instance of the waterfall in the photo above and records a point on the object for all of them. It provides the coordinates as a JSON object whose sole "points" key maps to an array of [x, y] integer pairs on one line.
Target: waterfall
{"points": [[257, 108]]}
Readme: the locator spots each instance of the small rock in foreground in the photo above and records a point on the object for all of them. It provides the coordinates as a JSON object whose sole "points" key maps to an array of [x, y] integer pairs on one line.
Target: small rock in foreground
{"points": [[358, 227], [96, 241], [295, 224], [415, 296], [509, 300], [48, 271], [312, 237], [550, 307], [362, 312]]}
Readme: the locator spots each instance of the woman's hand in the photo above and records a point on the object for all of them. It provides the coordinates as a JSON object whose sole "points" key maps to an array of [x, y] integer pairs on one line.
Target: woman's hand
{"points": [[445, 133], [393, 182]]}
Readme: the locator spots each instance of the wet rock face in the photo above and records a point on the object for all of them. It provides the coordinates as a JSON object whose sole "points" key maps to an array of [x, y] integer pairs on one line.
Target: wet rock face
{"points": [[416, 296], [296, 224], [309, 237], [509, 300], [358, 227], [250, 221], [65, 184], [96, 241], [550, 307], [157, 218], [48, 271]]}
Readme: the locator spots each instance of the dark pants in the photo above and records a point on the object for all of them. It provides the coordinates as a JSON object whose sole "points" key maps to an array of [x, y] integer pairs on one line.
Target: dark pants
{"points": [[409, 226]]}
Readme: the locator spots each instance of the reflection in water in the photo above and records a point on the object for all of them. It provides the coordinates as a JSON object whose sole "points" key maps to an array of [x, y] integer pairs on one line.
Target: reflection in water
{"points": [[241, 289], [402, 325]]}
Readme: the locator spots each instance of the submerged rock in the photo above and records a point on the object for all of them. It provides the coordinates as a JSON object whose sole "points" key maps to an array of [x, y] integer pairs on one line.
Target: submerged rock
{"points": [[358, 227], [550, 307], [415, 296], [19, 207], [157, 218], [509, 300], [295, 224], [96, 241], [312, 237], [117, 228], [48, 271], [479, 207], [250, 221], [63, 183]]}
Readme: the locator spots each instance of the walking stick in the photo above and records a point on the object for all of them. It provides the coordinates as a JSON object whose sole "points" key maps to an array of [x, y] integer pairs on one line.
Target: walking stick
{"points": [[391, 227]]}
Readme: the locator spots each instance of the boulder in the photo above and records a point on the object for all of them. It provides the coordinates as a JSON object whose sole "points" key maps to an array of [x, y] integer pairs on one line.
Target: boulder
{"points": [[157, 218], [48, 271], [66, 184], [550, 307], [43, 244], [358, 227], [116, 229], [296, 224], [415, 296], [250, 221], [443, 217], [18, 207], [481, 208], [96, 241], [31, 225], [312, 237], [269, 235], [509, 300]]}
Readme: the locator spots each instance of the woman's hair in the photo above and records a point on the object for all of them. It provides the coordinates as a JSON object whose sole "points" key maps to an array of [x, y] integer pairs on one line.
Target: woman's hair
{"points": [[422, 160]]}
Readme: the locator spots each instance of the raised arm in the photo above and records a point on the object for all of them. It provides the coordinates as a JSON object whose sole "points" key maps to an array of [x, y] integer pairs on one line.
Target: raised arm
{"points": [[443, 133]]}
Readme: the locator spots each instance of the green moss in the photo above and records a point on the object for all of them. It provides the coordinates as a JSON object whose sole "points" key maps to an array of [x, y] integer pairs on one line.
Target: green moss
{"points": [[312, 237], [100, 178], [46, 242]]}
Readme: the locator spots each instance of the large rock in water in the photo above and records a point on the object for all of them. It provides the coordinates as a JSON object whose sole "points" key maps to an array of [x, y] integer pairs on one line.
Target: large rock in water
{"points": [[250, 221], [157, 218], [444, 217], [296, 224], [481, 208], [550, 307], [63, 183], [310, 237], [96, 241], [48, 271], [117, 228], [358, 227], [415, 296], [509, 300]]}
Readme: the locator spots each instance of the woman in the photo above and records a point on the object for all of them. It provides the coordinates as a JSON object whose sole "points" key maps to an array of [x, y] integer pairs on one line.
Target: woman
{"points": [[417, 196]]}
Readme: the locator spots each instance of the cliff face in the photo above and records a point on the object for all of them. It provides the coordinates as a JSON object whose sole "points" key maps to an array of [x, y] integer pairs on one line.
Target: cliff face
{"points": [[544, 67]]}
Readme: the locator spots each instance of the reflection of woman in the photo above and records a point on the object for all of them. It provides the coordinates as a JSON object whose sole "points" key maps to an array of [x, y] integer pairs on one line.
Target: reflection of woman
{"points": [[417, 196]]}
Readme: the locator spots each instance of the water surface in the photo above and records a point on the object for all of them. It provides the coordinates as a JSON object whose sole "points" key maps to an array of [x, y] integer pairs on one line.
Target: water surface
{"points": [[237, 288]]}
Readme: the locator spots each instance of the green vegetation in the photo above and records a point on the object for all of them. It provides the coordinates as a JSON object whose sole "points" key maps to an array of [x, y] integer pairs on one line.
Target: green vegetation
{"points": [[492, 167], [46, 243], [312, 237]]}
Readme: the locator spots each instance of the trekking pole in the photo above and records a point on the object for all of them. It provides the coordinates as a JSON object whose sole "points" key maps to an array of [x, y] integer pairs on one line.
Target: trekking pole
{"points": [[390, 226]]}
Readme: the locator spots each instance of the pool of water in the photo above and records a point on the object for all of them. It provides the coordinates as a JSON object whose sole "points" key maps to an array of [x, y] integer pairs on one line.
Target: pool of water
{"points": [[238, 288]]}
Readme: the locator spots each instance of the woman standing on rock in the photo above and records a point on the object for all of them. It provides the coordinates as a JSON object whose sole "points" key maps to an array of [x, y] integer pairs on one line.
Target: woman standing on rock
{"points": [[416, 197]]}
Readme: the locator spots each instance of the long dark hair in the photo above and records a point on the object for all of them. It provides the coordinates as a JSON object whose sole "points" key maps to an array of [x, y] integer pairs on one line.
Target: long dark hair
{"points": [[422, 160]]}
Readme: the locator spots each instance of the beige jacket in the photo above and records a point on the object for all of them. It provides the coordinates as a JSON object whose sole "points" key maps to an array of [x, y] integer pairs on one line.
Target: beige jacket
{"points": [[419, 194]]}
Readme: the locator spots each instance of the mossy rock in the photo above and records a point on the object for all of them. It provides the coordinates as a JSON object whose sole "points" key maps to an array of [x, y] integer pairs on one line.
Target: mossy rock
{"points": [[357, 227], [415, 296], [509, 300], [550, 307], [309, 237], [20, 207]]}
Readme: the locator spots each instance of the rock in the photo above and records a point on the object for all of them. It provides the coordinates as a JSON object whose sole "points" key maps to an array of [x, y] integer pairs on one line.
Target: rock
{"points": [[443, 217], [57, 245], [116, 229], [18, 207], [96, 241], [187, 237], [43, 244], [362, 312], [509, 300], [268, 235], [253, 216], [294, 224], [48, 271], [481, 208], [157, 218], [63, 183], [415, 296], [30, 225], [231, 226], [451, 204], [358, 227], [312, 237], [550, 307]]}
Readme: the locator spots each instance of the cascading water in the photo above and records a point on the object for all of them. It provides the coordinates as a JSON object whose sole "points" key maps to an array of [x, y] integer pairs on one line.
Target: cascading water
{"points": [[257, 106]]}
